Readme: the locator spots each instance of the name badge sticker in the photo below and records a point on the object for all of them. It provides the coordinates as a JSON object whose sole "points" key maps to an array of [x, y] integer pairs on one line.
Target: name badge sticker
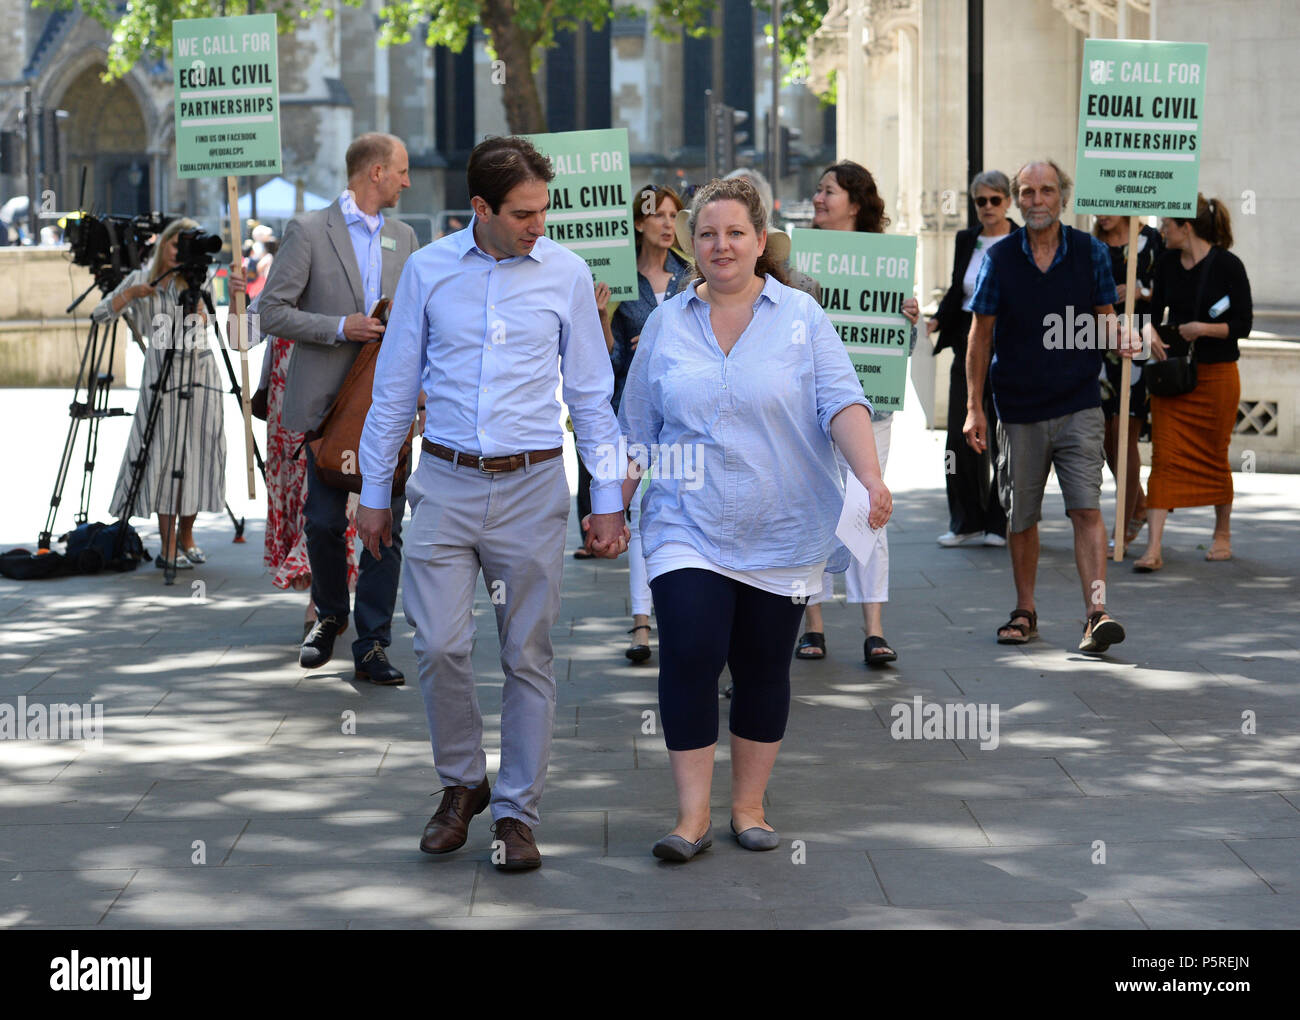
{"points": [[388, 242], [1219, 307]]}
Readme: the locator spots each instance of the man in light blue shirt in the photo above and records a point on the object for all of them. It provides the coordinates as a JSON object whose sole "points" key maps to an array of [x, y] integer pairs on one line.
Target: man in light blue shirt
{"points": [[481, 321]]}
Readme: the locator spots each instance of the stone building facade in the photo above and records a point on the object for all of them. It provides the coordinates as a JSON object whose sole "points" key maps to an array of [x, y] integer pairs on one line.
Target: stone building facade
{"points": [[336, 82]]}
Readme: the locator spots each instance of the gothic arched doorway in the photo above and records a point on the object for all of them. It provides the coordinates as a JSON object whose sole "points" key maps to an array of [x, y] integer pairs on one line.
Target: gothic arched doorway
{"points": [[105, 135]]}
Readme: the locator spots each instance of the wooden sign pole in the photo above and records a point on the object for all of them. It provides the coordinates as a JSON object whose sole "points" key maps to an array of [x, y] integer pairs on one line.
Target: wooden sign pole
{"points": [[1125, 380], [237, 305]]}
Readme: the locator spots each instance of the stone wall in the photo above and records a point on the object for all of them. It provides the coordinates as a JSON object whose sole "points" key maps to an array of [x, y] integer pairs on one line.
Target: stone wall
{"points": [[40, 343]]}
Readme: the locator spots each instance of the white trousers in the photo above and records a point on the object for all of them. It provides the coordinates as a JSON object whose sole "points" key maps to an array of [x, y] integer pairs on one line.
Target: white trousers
{"points": [[638, 586], [864, 582]]}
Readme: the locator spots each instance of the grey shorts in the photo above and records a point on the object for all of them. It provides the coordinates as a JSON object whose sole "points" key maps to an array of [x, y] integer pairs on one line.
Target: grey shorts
{"points": [[1072, 444]]}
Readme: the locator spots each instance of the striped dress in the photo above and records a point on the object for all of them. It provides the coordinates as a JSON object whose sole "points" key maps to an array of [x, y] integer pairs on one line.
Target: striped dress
{"points": [[195, 425]]}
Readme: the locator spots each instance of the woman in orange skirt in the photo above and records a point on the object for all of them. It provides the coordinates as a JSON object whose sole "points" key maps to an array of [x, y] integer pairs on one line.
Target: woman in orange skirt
{"points": [[1206, 293]]}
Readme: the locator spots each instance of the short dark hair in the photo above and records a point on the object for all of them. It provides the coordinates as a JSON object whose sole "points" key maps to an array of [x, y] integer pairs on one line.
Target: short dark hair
{"points": [[368, 149], [856, 179], [500, 163]]}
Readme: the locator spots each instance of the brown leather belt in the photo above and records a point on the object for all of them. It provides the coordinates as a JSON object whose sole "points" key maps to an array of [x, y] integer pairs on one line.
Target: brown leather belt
{"points": [[491, 465]]}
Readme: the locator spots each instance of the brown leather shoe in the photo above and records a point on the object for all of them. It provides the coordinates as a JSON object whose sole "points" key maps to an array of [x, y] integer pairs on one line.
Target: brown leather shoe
{"points": [[449, 827], [520, 850]]}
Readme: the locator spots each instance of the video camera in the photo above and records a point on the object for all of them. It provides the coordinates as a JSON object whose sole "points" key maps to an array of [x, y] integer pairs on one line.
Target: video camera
{"points": [[112, 246], [194, 251]]}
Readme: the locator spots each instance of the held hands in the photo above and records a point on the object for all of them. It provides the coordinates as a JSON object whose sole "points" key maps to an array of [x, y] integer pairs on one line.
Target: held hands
{"points": [[362, 329], [375, 526], [607, 534], [602, 299], [976, 430], [930, 326], [1191, 330], [912, 310]]}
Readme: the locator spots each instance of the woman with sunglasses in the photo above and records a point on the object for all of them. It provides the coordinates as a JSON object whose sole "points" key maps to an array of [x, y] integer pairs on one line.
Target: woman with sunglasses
{"points": [[974, 511]]}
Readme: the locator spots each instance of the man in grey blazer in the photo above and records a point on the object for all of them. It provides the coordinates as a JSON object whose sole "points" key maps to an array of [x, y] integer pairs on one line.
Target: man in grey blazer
{"points": [[331, 268]]}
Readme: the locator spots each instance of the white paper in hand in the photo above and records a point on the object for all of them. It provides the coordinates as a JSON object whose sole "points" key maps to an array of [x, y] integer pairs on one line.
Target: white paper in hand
{"points": [[853, 530]]}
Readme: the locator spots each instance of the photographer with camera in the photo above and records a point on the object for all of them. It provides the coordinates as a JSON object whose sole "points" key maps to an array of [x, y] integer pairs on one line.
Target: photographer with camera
{"points": [[189, 432]]}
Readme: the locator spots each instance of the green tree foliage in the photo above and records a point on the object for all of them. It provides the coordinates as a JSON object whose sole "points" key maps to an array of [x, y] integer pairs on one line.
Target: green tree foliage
{"points": [[518, 31]]}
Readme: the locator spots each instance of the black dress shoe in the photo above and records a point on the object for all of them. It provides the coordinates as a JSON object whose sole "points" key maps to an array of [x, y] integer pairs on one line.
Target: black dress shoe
{"points": [[375, 667], [318, 648]]}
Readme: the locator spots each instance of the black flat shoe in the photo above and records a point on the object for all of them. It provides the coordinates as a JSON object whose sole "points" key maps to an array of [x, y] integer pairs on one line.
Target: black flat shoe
{"points": [[318, 648], [375, 667], [877, 652], [638, 653]]}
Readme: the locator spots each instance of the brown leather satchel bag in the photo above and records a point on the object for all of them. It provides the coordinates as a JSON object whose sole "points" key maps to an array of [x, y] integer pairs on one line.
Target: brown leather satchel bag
{"points": [[336, 442]]}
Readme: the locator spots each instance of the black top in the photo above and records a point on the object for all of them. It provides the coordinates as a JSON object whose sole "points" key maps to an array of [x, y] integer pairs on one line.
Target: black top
{"points": [[1150, 247], [954, 324], [1224, 298]]}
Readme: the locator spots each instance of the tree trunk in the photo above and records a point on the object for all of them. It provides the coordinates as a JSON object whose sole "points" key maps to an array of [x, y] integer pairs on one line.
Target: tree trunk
{"points": [[514, 48]]}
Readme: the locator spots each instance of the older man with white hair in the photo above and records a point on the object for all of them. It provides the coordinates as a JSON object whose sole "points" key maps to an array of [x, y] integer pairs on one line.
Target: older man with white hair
{"points": [[1033, 298]]}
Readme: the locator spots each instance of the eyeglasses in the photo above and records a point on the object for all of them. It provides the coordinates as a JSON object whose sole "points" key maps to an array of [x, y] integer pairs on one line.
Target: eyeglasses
{"points": [[993, 200]]}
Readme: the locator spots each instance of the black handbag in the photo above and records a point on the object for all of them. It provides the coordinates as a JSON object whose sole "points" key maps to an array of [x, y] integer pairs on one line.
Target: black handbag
{"points": [[1176, 375]]}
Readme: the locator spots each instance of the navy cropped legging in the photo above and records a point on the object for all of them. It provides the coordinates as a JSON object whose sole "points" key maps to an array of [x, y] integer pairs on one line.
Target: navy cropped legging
{"points": [[706, 620]]}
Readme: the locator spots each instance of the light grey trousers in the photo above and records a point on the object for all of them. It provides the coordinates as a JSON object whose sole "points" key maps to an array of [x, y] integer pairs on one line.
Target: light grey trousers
{"points": [[512, 527]]}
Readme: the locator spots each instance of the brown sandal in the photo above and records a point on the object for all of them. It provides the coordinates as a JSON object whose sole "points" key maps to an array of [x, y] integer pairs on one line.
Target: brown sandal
{"points": [[1023, 634], [1100, 632]]}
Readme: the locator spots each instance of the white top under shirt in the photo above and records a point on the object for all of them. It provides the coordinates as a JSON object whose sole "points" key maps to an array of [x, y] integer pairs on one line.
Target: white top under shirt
{"points": [[659, 296], [793, 582], [982, 246]]}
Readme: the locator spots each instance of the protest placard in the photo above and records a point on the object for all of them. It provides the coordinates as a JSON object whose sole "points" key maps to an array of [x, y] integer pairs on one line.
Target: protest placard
{"points": [[865, 278], [227, 108], [1141, 105], [591, 196]]}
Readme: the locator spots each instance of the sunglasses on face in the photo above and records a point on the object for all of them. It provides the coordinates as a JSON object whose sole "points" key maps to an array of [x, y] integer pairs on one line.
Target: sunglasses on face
{"points": [[993, 200]]}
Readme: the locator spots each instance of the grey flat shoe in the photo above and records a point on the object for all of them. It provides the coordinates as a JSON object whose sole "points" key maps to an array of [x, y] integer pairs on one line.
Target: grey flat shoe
{"points": [[676, 848], [756, 838]]}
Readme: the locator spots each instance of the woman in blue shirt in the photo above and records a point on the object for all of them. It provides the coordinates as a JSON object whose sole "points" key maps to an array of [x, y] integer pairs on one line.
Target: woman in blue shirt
{"points": [[659, 270], [736, 391]]}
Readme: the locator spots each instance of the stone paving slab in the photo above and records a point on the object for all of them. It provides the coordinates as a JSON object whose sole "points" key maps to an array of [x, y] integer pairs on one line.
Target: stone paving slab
{"points": [[213, 733], [1063, 872], [1135, 818]]}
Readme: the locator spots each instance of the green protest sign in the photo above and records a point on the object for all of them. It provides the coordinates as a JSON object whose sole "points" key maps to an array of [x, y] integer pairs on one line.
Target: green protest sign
{"points": [[1140, 116], [591, 212], [227, 96], [865, 278]]}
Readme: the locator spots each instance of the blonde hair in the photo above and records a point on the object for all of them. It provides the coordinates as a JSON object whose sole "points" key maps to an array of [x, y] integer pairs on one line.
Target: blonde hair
{"points": [[171, 230], [737, 189]]}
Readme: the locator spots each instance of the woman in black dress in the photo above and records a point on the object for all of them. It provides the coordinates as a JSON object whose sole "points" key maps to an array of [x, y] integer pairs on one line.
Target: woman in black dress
{"points": [[975, 513]]}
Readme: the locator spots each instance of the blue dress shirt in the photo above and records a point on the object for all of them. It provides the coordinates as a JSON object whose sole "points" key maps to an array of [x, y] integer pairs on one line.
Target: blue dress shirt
{"points": [[366, 246], [488, 341], [754, 426]]}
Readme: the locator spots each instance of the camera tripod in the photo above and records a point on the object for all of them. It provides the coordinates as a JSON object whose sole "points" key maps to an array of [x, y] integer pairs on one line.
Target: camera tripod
{"points": [[95, 373], [182, 394]]}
